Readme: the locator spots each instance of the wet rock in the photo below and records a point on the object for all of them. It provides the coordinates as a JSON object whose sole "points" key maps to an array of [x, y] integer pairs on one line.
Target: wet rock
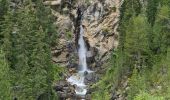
{"points": [[72, 89], [90, 78], [58, 88], [90, 60], [70, 47], [89, 54], [114, 96], [64, 90], [72, 70], [62, 83], [72, 65], [60, 59], [88, 97], [98, 64], [86, 73]]}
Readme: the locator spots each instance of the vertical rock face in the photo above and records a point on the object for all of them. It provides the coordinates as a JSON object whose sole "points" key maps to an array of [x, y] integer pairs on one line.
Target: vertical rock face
{"points": [[100, 21]]}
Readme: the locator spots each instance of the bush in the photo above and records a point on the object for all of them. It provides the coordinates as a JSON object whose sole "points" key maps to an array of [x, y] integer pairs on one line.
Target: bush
{"points": [[146, 96]]}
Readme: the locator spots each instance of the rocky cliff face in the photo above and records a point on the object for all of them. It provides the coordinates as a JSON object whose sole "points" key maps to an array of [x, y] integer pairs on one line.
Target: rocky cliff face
{"points": [[100, 21]]}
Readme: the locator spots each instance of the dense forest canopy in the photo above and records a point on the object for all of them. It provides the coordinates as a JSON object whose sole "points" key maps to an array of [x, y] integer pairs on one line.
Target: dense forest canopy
{"points": [[142, 59], [25, 51]]}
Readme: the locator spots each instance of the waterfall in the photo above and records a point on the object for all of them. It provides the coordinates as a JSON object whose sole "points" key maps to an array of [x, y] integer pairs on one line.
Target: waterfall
{"points": [[78, 78], [82, 51]]}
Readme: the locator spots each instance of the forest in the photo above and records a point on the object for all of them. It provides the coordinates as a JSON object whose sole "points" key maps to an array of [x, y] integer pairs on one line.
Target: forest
{"points": [[138, 68]]}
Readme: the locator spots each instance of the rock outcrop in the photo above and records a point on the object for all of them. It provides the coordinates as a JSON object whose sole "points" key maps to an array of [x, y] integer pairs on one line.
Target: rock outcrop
{"points": [[100, 21]]}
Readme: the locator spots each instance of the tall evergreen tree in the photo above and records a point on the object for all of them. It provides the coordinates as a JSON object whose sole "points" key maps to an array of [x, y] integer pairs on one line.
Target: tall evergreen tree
{"points": [[160, 35], [3, 11], [129, 9], [136, 45], [152, 10]]}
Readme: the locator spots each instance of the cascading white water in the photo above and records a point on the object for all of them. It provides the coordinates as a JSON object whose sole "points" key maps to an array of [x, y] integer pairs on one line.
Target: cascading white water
{"points": [[78, 78], [82, 51]]}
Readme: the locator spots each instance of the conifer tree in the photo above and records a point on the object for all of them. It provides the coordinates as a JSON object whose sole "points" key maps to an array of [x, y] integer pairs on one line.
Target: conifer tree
{"points": [[152, 10], [160, 35], [3, 11], [136, 45]]}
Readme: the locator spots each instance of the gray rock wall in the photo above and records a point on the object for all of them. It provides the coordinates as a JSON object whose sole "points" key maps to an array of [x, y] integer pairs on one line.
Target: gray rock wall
{"points": [[100, 20]]}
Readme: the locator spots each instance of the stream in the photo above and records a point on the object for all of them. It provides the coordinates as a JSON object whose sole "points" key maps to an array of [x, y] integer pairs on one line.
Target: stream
{"points": [[78, 78]]}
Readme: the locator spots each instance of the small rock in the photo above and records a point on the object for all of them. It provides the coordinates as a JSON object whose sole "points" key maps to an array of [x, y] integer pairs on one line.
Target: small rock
{"points": [[88, 97], [85, 73], [72, 70], [58, 88]]}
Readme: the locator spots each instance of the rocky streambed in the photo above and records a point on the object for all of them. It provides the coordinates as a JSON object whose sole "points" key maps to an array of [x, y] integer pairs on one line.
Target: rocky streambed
{"points": [[66, 91]]}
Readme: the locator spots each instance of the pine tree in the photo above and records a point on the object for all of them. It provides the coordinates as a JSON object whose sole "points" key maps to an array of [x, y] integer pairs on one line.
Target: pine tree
{"points": [[46, 19], [152, 10], [160, 35], [3, 11], [136, 43], [129, 9]]}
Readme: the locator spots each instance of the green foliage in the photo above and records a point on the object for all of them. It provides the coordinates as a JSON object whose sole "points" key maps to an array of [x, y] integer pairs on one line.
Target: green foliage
{"points": [[101, 95], [27, 47], [114, 9], [69, 35], [5, 85], [143, 56], [160, 32], [136, 35], [160, 75], [46, 20], [58, 70], [32, 68], [129, 8], [152, 11], [143, 53], [111, 79], [137, 84], [146, 96], [3, 12]]}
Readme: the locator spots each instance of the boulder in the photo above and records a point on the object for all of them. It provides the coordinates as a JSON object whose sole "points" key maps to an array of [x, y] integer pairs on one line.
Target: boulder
{"points": [[90, 78]]}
